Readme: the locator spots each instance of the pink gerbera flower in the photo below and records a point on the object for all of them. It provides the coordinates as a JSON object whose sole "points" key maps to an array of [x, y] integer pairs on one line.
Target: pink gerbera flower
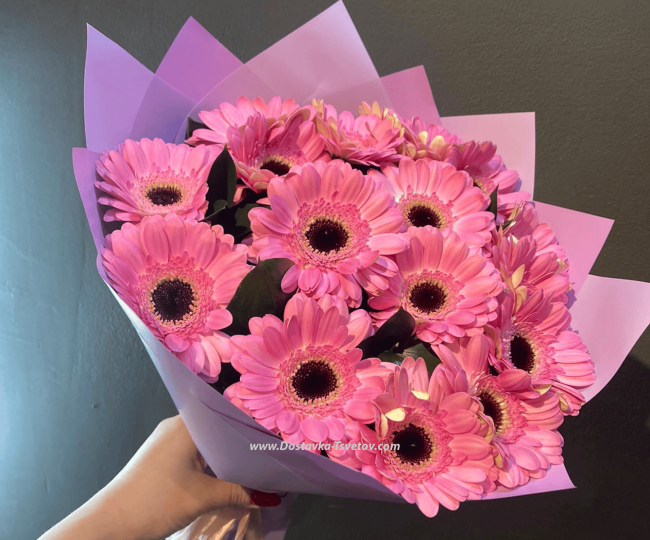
{"points": [[338, 227], [525, 270], [368, 139], [262, 154], [442, 456], [426, 141], [535, 338], [148, 178], [480, 161], [179, 276], [303, 377], [524, 221], [436, 194], [218, 121], [447, 286], [522, 422]]}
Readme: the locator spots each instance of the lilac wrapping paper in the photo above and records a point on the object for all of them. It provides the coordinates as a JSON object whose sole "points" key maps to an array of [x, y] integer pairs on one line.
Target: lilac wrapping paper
{"points": [[410, 94], [319, 60], [196, 62], [123, 99]]}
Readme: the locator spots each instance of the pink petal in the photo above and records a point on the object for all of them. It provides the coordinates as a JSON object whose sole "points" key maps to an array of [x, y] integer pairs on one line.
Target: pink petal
{"points": [[314, 429], [155, 241], [218, 319], [335, 427], [387, 244], [287, 421], [258, 382], [426, 503], [360, 410], [176, 343]]}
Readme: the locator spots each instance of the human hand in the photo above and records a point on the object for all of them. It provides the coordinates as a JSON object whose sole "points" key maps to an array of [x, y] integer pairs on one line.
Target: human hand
{"points": [[161, 490]]}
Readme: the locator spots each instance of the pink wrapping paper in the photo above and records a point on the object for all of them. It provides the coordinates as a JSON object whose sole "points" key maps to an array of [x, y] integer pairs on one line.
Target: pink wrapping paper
{"points": [[123, 98], [556, 479], [610, 315], [581, 235], [410, 94], [513, 133]]}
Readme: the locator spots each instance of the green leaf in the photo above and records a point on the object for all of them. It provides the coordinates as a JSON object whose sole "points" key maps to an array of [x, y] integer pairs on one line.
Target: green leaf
{"points": [[423, 350], [192, 126], [259, 294], [398, 328], [392, 357], [234, 220], [222, 179], [217, 207], [417, 349], [242, 222], [493, 203]]}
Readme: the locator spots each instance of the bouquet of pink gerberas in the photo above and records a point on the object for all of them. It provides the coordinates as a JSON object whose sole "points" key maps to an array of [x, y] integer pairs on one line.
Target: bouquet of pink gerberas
{"points": [[344, 299]]}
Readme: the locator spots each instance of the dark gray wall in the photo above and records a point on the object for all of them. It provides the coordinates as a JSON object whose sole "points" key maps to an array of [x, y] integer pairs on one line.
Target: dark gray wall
{"points": [[78, 393]]}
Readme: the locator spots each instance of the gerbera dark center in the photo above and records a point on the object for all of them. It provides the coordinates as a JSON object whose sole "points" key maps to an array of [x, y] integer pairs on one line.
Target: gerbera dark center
{"points": [[172, 299], [420, 215], [427, 297], [276, 166], [314, 380], [522, 354], [164, 195], [415, 446], [326, 235], [492, 409]]}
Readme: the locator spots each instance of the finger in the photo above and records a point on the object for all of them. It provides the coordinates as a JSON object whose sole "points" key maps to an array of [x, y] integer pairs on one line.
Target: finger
{"points": [[224, 493]]}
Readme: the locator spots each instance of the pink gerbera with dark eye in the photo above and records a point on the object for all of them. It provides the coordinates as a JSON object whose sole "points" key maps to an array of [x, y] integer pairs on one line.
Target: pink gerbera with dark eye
{"points": [[447, 286], [433, 193], [227, 116], [304, 377], [262, 154], [427, 445], [147, 178], [368, 139], [336, 225], [535, 338], [523, 422], [179, 276]]}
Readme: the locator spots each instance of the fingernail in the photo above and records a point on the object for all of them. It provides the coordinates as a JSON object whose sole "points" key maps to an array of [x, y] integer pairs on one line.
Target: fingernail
{"points": [[261, 498]]}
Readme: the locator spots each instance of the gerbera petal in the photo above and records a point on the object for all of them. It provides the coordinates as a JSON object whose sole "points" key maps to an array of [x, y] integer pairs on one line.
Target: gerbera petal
{"points": [[314, 429]]}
